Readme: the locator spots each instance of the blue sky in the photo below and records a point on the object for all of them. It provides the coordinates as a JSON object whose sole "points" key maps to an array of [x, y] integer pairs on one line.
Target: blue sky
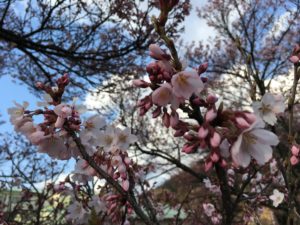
{"points": [[10, 92]]}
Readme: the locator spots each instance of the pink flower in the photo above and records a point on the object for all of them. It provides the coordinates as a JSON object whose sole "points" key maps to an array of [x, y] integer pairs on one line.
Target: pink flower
{"points": [[254, 142], [162, 96], [63, 110], [215, 140], [269, 107], [210, 115], [36, 137], [140, 83], [125, 185], [157, 53], [294, 160], [295, 150], [186, 83], [54, 146], [202, 132], [294, 59]]}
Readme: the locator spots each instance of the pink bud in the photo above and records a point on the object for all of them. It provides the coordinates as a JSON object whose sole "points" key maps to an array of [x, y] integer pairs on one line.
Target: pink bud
{"points": [[166, 119], [202, 132], [179, 133], [202, 68], [295, 150], [208, 165], [250, 117], [148, 105], [187, 148], [198, 101], [215, 140], [156, 112], [189, 137], [294, 59], [174, 120], [242, 123], [210, 115], [140, 83], [127, 161], [112, 197], [211, 99], [215, 157], [294, 160], [156, 52], [223, 163], [125, 185]]}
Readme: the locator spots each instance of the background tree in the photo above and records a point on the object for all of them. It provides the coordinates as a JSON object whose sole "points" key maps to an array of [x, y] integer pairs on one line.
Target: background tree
{"points": [[86, 38], [253, 42]]}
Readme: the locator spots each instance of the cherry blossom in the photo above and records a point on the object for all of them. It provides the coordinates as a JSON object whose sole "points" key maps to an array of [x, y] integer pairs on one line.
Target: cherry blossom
{"points": [[277, 197], [186, 83], [77, 213], [254, 142], [269, 107]]}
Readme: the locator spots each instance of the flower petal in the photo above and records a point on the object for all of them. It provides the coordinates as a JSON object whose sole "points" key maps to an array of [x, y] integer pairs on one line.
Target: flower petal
{"points": [[260, 152], [239, 155], [266, 137]]}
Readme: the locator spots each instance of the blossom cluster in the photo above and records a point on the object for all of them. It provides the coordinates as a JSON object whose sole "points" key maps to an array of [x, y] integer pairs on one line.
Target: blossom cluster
{"points": [[225, 133], [62, 133]]}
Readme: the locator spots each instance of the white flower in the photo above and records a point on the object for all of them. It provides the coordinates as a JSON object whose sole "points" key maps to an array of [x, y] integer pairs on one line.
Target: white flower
{"points": [[212, 187], [255, 142], [269, 106], [106, 138], [277, 197], [55, 147], [209, 209], [77, 213], [94, 123], [186, 83], [97, 204], [47, 100], [18, 111], [124, 138], [90, 135]]}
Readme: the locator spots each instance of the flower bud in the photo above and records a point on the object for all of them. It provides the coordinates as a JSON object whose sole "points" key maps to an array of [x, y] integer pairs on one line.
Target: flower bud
{"points": [[242, 123], [140, 83], [202, 132], [215, 157], [202, 68], [215, 140], [211, 99], [166, 119], [295, 150], [294, 160], [125, 185], [210, 115]]}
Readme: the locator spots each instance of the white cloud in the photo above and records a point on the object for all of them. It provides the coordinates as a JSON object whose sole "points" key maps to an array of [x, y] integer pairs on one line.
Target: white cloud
{"points": [[196, 29]]}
